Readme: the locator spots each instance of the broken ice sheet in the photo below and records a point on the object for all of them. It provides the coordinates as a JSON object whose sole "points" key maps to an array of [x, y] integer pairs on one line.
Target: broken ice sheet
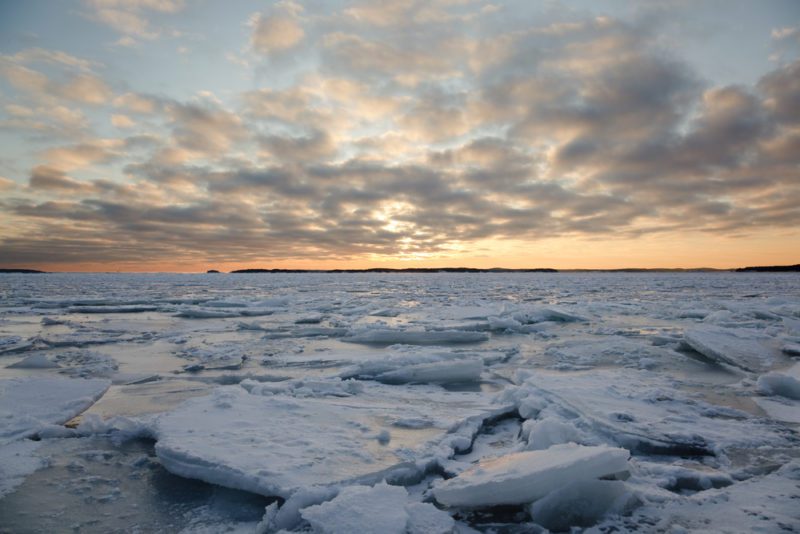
{"points": [[524, 477], [27, 405], [275, 444], [738, 348], [642, 411]]}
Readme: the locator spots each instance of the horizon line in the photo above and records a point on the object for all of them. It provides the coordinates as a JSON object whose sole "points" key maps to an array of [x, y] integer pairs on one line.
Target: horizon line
{"points": [[419, 270]]}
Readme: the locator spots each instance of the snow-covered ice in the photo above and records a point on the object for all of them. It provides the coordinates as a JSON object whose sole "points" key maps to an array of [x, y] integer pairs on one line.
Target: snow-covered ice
{"points": [[406, 403], [276, 440], [731, 347], [28, 405]]}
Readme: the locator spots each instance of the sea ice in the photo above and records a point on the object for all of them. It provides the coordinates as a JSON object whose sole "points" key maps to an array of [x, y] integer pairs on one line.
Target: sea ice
{"points": [[368, 510], [34, 361], [642, 411], [18, 459], [581, 504], [730, 347], [784, 385], [275, 444], [384, 336], [524, 477], [28, 405], [446, 372]]}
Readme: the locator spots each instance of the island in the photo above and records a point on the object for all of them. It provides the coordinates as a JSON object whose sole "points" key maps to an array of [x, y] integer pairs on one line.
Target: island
{"points": [[406, 270]]}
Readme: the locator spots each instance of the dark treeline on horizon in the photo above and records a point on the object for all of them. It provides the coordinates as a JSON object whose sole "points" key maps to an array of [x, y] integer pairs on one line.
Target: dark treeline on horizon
{"points": [[423, 270]]}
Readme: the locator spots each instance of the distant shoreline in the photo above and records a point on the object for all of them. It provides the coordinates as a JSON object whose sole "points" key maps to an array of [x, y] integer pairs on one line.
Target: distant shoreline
{"points": [[434, 270]]}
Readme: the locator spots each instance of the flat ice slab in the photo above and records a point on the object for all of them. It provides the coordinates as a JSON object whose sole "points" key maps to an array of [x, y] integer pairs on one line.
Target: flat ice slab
{"points": [[643, 411], [524, 477], [30, 404], [385, 336], [730, 347], [274, 444]]}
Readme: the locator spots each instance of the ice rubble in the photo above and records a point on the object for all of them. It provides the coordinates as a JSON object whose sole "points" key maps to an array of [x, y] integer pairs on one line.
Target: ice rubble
{"points": [[734, 347], [760, 504], [28, 405], [524, 477], [277, 443]]}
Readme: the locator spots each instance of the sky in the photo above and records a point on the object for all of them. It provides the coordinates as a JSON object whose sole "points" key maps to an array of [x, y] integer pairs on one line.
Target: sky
{"points": [[185, 135]]}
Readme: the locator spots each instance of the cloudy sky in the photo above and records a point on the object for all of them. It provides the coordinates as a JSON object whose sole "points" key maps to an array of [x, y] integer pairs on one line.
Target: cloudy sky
{"points": [[193, 134]]}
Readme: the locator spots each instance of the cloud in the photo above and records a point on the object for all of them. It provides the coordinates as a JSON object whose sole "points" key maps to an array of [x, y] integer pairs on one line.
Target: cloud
{"points": [[122, 121], [84, 154], [408, 128], [50, 178], [274, 33], [72, 80], [129, 17]]}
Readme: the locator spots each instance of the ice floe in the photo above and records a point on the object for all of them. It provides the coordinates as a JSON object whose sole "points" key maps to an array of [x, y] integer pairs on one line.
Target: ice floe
{"points": [[28, 405], [644, 414], [385, 336], [274, 444], [524, 477], [732, 347]]}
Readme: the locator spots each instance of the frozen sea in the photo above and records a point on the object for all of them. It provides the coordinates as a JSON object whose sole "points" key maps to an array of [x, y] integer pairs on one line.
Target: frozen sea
{"points": [[417, 403]]}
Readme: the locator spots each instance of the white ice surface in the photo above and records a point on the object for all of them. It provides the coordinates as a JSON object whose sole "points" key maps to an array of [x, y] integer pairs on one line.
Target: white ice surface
{"points": [[275, 444], [363, 509], [641, 410], [735, 347], [524, 477], [760, 504], [376, 510], [598, 359], [27, 405]]}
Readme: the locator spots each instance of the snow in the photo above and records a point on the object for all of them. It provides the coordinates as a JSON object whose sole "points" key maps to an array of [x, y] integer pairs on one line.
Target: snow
{"points": [[760, 504], [524, 477], [28, 405]]}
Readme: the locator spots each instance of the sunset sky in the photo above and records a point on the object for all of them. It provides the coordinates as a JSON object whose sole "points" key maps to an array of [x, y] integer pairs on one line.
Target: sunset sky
{"points": [[149, 135]]}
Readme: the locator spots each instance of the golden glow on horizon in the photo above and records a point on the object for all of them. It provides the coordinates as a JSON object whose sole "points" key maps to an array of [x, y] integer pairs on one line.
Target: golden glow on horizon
{"points": [[561, 253]]}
